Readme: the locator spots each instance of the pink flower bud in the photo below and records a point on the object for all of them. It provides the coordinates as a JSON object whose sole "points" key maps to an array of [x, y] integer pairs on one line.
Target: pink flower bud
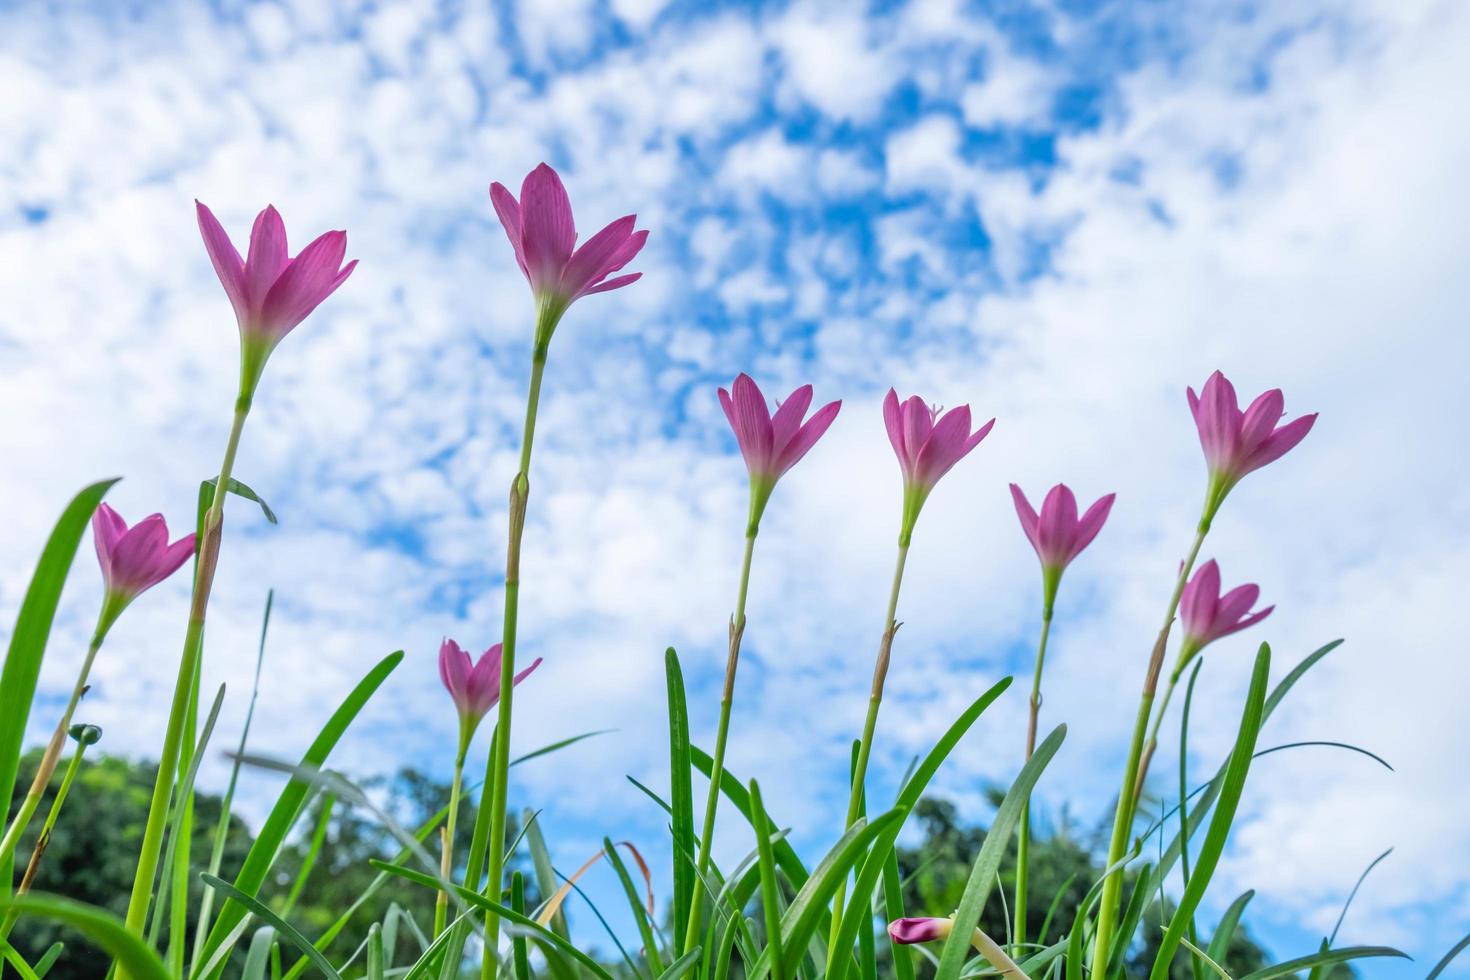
{"points": [[772, 444], [1236, 442], [927, 446], [906, 932], [475, 687], [1207, 615]]}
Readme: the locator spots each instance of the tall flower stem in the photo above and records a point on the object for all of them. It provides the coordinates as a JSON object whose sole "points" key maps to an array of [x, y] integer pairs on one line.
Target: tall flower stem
{"points": [[1023, 842], [1133, 772], [52, 755], [520, 490], [727, 697], [168, 758], [446, 853], [870, 724]]}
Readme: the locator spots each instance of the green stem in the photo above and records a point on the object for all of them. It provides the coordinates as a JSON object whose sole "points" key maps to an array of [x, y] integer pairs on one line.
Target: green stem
{"points": [[717, 767], [168, 758], [519, 490], [1023, 843], [52, 755], [446, 853], [1112, 892], [865, 744]]}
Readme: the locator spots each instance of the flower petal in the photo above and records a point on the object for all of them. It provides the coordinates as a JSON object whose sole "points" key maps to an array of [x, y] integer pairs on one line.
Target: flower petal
{"points": [[1027, 517], [310, 278], [945, 446], [752, 425], [1279, 443], [268, 256], [1091, 523], [107, 527], [806, 437], [593, 260], [1058, 524], [788, 417], [509, 213], [226, 261], [1260, 419], [547, 230], [611, 284]]}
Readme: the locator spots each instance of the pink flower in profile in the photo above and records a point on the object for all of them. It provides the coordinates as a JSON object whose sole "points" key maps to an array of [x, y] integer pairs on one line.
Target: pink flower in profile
{"points": [[927, 446], [1207, 615], [475, 687], [270, 291], [772, 444], [541, 231], [1058, 534], [1236, 442], [908, 931], [134, 559]]}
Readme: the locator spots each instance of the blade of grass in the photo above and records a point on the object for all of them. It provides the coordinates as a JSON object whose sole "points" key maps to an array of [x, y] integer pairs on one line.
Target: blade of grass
{"points": [[28, 642], [903, 964], [1225, 931], [222, 827], [784, 853], [558, 746], [1002, 827], [518, 950], [9, 954], [1051, 910], [98, 925], [1231, 789], [643, 918], [1344, 955], [376, 965], [258, 956], [262, 855], [318, 838], [48, 959], [770, 894], [545, 874], [1448, 958], [1206, 960], [681, 792], [263, 912]]}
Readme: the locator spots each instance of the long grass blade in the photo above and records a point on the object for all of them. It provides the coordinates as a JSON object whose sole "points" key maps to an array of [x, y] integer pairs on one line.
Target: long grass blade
{"points": [[1448, 958], [987, 863], [681, 791], [558, 746], [286, 931], [770, 888], [98, 925], [1344, 955], [1229, 922], [258, 956]]}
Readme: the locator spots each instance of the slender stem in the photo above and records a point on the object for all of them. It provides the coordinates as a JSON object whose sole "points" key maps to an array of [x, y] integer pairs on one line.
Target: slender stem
{"points": [[168, 758], [1023, 844], [1112, 892], [865, 744], [727, 697], [446, 851], [52, 755], [519, 491]]}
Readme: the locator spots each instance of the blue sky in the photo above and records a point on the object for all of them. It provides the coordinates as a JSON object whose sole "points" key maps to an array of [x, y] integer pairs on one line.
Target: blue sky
{"points": [[1060, 213]]}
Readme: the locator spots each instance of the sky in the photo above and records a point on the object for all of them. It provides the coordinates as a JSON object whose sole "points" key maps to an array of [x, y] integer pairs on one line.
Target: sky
{"points": [[1060, 213]]}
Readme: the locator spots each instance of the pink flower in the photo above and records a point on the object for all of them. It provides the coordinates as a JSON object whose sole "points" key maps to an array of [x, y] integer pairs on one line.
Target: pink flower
{"points": [[475, 688], [271, 291], [1236, 442], [541, 231], [134, 559], [908, 931], [1207, 615], [772, 444], [1058, 535], [927, 445]]}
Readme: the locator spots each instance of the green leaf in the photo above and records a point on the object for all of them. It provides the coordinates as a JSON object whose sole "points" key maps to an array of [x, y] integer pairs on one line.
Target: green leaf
{"points": [[1342, 955], [681, 792], [258, 957], [859, 912], [1448, 958], [545, 873], [239, 489], [640, 914], [505, 913], [908, 797], [556, 746], [987, 863], [376, 966], [785, 854], [519, 954], [1225, 931], [48, 960], [98, 925], [28, 638], [262, 855], [1230, 792], [903, 964], [770, 889], [263, 912]]}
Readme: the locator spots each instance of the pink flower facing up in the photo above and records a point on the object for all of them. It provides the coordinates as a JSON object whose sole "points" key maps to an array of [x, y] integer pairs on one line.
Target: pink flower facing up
{"points": [[133, 559], [772, 444], [907, 932], [270, 291], [1236, 442], [928, 446], [541, 231], [475, 687], [1058, 534], [1207, 615]]}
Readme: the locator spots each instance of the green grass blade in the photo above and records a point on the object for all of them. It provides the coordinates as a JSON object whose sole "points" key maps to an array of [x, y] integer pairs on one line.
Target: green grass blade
{"points": [[98, 925], [1448, 958], [640, 914], [770, 888], [858, 916], [222, 827], [518, 952], [1354, 894], [263, 912], [987, 863], [683, 965], [508, 914], [1206, 959], [9, 954], [318, 838], [240, 490], [262, 855], [1343, 955], [376, 963], [1051, 910], [914, 788], [1225, 931], [28, 639], [48, 959], [786, 857], [903, 963], [258, 956], [558, 746], [1132, 915], [545, 873], [681, 791], [1230, 792]]}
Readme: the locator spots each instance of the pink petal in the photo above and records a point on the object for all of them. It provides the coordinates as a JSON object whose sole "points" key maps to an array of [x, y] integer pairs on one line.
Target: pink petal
{"points": [[1026, 515], [594, 259], [1249, 621], [945, 446], [806, 437], [173, 557], [107, 527], [1091, 524], [978, 437], [1260, 418], [612, 284], [1057, 525], [1197, 604], [787, 419], [524, 674], [1232, 606], [509, 213], [135, 556], [310, 278], [918, 423], [1218, 421], [729, 408], [1280, 442], [454, 668], [226, 261], [752, 425], [268, 256], [893, 421], [547, 231]]}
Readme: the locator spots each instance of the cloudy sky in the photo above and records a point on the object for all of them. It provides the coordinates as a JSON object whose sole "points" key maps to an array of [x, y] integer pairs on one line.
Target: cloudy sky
{"points": [[1059, 212]]}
